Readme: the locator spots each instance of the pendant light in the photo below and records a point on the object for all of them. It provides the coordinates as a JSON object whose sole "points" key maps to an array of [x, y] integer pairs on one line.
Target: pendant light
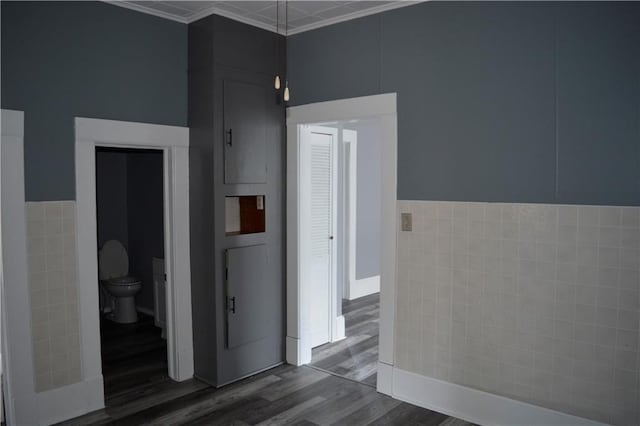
{"points": [[276, 83], [286, 91]]}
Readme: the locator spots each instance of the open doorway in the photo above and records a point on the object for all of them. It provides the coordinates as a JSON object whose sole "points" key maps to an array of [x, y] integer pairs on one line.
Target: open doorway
{"points": [[131, 273], [340, 243], [299, 337]]}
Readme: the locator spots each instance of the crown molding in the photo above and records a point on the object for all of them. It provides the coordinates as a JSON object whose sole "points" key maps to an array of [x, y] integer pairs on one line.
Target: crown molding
{"points": [[362, 13], [214, 10], [249, 21], [148, 11]]}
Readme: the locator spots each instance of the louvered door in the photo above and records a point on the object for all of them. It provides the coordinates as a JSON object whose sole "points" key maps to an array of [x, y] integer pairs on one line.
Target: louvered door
{"points": [[320, 184]]}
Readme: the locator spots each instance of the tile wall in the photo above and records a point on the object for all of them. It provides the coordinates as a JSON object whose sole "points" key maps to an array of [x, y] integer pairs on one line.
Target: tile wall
{"points": [[539, 303], [51, 249]]}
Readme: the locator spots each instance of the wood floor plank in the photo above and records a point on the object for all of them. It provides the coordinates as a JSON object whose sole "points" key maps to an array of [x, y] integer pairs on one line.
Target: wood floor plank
{"points": [[351, 398], [369, 412], [139, 391], [406, 414], [285, 416], [210, 403], [294, 381]]}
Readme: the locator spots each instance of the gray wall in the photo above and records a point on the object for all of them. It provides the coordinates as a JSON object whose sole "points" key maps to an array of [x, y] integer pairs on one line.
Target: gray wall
{"points": [[368, 198], [111, 197], [90, 59], [521, 102], [145, 200], [130, 199]]}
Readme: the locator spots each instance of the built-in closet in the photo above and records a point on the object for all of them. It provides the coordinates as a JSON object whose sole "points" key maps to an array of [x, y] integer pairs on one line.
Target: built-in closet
{"points": [[237, 184]]}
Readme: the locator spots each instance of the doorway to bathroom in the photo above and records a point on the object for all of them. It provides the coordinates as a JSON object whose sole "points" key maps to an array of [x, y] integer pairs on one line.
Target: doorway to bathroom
{"points": [[131, 273]]}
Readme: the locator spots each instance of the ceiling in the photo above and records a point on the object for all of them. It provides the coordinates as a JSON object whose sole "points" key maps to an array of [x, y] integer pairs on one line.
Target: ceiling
{"points": [[303, 15]]}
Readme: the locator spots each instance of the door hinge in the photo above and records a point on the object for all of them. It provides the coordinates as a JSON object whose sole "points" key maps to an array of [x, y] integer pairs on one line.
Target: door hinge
{"points": [[231, 304]]}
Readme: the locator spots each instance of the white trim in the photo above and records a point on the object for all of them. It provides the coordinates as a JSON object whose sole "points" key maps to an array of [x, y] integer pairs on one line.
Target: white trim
{"points": [[213, 10], [350, 140], [173, 141], [70, 401], [385, 378], [339, 330], [294, 354], [20, 396], [473, 405], [364, 287], [148, 10], [384, 107], [326, 112], [130, 134], [343, 18], [255, 23]]}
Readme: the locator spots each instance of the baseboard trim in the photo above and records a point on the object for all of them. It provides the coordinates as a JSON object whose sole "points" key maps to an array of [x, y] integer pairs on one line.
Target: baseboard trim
{"points": [[70, 401], [384, 380], [473, 405], [340, 331], [364, 287], [293, 351]]}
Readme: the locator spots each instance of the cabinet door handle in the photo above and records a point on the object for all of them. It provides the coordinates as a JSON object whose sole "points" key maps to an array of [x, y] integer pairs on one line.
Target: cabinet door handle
{"points": [[230, 137], [231, 305]]}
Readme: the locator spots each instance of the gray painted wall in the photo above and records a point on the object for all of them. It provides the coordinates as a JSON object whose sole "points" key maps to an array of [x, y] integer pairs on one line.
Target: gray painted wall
{"points": [[90, 59], [503, 101], [145, 200], [368, 198], [111, 197]]}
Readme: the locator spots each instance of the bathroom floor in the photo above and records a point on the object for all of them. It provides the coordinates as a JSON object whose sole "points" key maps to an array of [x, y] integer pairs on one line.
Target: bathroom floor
{"points": [[133, 355]]}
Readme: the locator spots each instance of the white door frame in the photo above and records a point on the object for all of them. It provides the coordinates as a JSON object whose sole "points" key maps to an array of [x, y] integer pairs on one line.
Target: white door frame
{"points": [[17, 358], [298, 349], [174, 142], [350, 139]]}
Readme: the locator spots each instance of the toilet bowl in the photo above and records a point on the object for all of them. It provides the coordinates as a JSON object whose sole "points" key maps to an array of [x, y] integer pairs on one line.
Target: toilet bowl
{"points": [[113, 269]]}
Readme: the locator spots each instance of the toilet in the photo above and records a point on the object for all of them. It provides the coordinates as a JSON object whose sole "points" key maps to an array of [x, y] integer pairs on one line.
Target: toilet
{"points": [[113, 267]]}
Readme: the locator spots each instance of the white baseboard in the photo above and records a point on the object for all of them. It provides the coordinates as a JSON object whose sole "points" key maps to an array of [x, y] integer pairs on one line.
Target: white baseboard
{"points": [[473, 405], [384, 380], [364, 287], [70, 401], [340, 331], [294, 351]]}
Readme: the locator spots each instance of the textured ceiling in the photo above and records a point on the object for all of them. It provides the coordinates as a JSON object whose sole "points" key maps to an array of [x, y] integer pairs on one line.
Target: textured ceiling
{"points": [[302, 15]]}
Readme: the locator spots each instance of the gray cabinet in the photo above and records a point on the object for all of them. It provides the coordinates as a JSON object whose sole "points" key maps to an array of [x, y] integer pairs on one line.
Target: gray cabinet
{"points": [[245, 133], [248, 317]]}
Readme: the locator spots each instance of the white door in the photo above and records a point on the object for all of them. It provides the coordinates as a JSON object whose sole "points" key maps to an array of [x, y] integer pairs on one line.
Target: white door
{"points": [[318, 224]]}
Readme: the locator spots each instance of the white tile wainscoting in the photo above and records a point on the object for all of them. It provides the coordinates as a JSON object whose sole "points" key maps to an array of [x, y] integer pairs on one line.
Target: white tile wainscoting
{"points": [[539, 303], [52, 272]]}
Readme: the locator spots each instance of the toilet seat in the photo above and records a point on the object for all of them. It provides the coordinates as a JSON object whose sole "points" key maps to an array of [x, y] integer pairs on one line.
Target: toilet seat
{"points": [[113, 261], [127, 280]]}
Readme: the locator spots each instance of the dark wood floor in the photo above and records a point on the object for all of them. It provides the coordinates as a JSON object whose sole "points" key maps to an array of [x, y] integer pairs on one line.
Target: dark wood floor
{"points": [[356, 356], [139, 392], [133, 355]]}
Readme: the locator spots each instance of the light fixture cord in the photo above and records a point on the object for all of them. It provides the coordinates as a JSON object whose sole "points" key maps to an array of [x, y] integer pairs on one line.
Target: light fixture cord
{"points": [[286, 34]]}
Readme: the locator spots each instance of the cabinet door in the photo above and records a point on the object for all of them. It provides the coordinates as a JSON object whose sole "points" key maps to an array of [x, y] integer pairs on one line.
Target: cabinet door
{"points": [[244, 133], [248, 316]]}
